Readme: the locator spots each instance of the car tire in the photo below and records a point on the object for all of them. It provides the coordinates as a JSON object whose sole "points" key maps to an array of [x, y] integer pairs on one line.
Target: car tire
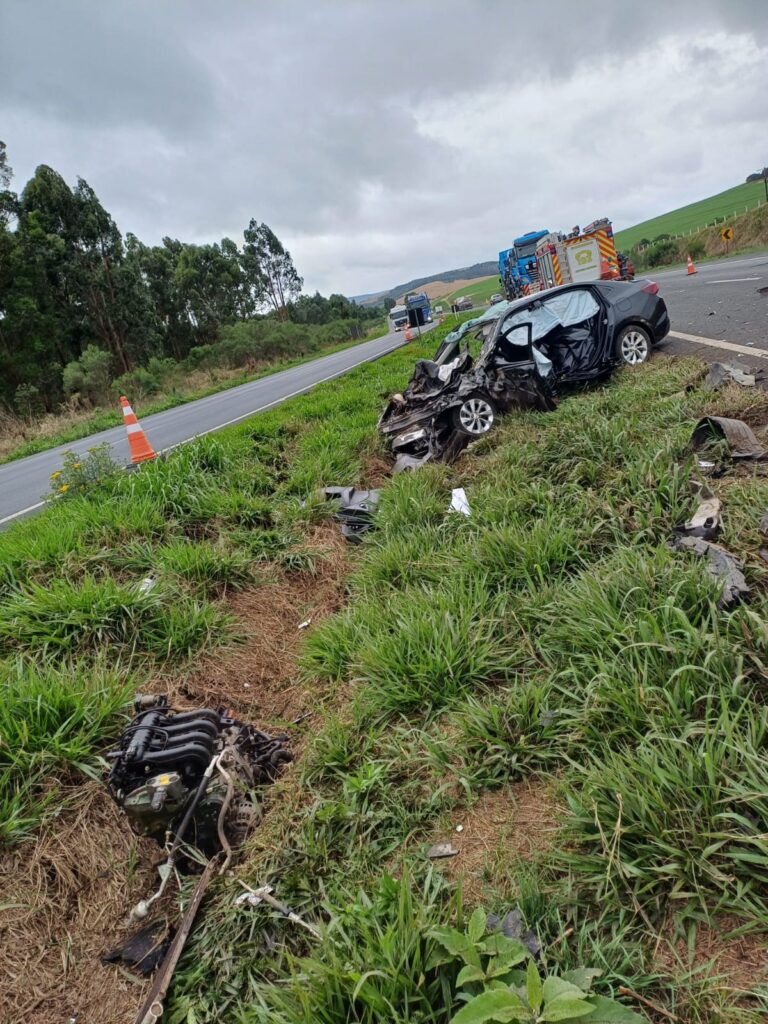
{"points": [[475, 416], [633, 345]]}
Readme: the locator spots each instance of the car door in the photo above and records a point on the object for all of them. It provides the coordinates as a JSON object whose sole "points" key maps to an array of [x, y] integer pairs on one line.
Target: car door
{"points": [[576, 342]]}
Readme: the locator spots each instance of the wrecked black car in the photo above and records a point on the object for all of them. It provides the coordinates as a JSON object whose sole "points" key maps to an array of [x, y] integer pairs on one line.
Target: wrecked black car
{"points": [[520, 355]]}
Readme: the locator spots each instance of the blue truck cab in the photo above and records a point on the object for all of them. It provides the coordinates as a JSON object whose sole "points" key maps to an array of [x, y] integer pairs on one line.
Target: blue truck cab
{"points": [[419, 310], [517, 266]]}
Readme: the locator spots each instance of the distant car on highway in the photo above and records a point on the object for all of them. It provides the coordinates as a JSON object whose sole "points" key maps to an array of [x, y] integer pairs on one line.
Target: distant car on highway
{"points": [[461, 304], [496, 297]]}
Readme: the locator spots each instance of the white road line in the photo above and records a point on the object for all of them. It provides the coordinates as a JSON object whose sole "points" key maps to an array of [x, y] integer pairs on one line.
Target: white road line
{"points": [[727, 346], [15, 515], [733, 280]]}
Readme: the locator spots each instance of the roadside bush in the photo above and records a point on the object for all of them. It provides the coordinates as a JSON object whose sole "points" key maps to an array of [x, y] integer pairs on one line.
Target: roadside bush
{"points": [[145, 380], [28, 400], [81, 474], [664, 251], [89, 376], [201, 357], [696, 249]]}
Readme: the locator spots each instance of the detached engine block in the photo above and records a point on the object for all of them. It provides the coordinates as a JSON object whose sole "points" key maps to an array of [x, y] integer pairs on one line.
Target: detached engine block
{"points": [[170, 761]]}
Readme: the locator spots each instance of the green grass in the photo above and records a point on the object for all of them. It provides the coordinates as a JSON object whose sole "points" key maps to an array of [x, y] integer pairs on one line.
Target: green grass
{"points": [[480, 292], [551, 637], [696, 215]]}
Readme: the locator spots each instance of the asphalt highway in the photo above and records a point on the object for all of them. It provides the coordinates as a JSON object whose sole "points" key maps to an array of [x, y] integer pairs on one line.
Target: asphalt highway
{"points": [[724, 303], [25, 481], [718, 314]]}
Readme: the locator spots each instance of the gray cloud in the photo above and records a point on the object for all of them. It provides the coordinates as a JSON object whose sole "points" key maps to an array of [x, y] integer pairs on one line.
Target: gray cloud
{"points": [[383, 139]]}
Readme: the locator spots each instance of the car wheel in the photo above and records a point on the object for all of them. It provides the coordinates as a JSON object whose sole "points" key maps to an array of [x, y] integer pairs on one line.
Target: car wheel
{"points": [[475, 416], [633, 345]]}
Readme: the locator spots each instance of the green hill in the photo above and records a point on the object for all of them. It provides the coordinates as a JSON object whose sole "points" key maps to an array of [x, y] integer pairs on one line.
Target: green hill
{"points": [[695, 216], [479, 292]]}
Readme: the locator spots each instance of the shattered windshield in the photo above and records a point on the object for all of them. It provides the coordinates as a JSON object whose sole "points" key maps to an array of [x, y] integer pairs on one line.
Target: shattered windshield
{"points": [[561, 310]]}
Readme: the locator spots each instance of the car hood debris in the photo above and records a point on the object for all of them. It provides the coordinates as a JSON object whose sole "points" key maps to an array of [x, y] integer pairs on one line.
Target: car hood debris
{"points": [[355, 510]]}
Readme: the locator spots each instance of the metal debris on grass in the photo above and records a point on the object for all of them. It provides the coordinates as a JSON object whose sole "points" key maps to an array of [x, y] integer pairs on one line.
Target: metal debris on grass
{"points": [[144, 949], [441, 850], [721, 374], [513, 927], [742, 442], [355, 511], [721, 564], [705, 521]]}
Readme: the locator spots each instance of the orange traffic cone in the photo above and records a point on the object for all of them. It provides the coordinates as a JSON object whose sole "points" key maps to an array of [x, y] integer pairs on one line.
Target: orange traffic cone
{"points": [[691, 268], [141, 449]]}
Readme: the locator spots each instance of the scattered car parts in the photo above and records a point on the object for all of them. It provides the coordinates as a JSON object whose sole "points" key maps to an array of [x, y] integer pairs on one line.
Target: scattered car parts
{"points": [[742, 442], [512, 925], [441, 850], [154, 1004], [144, 949], [355, 511], [163, 774], [705, 521], [721, 374], [722, 565]]}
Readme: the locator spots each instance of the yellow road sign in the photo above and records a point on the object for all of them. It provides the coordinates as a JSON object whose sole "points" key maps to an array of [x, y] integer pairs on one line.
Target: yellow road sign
{"points": [[726, 234]]}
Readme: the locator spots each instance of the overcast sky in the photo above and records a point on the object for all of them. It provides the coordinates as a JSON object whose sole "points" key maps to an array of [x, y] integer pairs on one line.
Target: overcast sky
{"points": [[384, 139]]}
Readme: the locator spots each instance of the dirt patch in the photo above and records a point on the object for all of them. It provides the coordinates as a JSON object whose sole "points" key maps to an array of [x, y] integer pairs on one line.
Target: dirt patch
{"points": [[377, 471], [439, 289], [740, 962], [517, 821], [259, 679], [65, 902]]}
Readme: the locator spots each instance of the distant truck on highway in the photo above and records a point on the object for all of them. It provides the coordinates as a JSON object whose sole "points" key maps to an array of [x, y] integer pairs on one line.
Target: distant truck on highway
{"points": [[517, 266], [398, 317], [418, 309]]}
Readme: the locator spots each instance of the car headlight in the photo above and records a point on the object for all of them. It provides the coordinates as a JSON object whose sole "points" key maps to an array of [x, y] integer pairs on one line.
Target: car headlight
{"points": [[411, 435]]}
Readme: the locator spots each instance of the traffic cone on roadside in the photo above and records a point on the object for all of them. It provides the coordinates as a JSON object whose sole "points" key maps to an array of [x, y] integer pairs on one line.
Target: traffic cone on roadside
{"points": [[141, 449], [691, 268]]}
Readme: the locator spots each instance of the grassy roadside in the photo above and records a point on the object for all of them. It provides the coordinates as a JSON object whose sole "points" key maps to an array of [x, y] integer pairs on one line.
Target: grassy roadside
{"points": [[546, 673], [695, 216], [480, 292], [104, 419]]}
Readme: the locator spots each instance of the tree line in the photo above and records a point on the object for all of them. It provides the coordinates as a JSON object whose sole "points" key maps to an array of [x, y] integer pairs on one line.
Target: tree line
{"points": [[74, 290]]}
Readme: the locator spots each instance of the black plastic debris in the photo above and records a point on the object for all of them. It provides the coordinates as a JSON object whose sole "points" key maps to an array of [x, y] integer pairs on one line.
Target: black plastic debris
{"points": [[721, 374], [722, 565], [144, 949], [705, 521], [741, 439], [355, 512], [513, 927]]}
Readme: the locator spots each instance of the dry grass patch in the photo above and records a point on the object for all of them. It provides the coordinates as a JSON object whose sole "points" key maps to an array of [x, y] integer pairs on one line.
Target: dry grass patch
{"points": [[66, 900], [259, 679], [517, 822], [739, 963]]}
